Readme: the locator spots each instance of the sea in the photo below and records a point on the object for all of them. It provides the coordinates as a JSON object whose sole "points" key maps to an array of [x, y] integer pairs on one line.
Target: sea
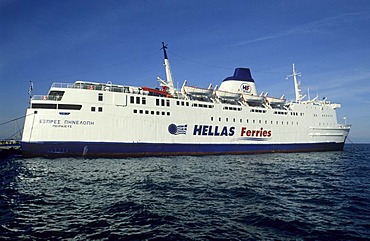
{"points": [[278, 196]]}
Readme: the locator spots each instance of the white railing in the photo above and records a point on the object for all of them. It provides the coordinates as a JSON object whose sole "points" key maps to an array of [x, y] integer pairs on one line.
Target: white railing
{"points": [[62, 85], [95, 86], [47, 97]]}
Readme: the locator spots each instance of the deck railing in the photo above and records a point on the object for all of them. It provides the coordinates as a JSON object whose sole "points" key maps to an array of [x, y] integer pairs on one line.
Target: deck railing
{"points": [[89, 86], [47, 97], [96, 86]]}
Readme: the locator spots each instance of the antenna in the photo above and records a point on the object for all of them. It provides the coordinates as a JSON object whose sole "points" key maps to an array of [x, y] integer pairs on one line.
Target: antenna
{"points": [[30, 89], [308, 94], [164, 47]]}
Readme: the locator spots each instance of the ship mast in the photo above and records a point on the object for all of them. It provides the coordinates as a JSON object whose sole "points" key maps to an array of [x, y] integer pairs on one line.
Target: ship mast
{"points": [[169, 78], [297, 88]]}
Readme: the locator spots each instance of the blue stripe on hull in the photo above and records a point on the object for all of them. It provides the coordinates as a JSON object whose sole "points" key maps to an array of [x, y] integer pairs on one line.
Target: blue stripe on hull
{"points": [[105, 149]]}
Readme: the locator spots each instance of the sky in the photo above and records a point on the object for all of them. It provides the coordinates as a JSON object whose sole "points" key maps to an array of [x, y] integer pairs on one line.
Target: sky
{"points": [[119, 41]]}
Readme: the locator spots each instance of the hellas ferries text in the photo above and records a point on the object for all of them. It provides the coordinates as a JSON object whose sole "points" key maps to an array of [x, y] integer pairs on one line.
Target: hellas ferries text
{"points": [[209, 130]]}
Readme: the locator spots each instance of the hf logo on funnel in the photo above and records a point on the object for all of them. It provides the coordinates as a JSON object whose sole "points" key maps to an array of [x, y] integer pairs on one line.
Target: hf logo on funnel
{"points": [[246, 88]]}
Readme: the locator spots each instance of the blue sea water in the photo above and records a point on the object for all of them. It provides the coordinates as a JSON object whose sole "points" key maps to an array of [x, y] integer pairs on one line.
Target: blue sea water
{"points": [[295, 196]]}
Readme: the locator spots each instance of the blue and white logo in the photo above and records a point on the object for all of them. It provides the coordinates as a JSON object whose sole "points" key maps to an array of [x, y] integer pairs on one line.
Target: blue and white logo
{"points": [[177, 129], [246, 88]]}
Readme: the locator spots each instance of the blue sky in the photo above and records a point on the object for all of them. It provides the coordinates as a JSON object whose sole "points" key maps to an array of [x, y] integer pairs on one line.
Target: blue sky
{"points": [[119, 41]]}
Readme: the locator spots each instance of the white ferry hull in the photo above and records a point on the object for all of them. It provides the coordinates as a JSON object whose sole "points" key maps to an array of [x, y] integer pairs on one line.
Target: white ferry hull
{"points": [[174, 127], [105, 120]]}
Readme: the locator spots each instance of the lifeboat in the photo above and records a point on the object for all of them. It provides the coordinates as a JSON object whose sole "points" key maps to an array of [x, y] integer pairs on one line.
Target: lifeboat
{"points": [[227, 95], [193, 90], [253, 99], [196, 91], [275, 101], [156, 92]]}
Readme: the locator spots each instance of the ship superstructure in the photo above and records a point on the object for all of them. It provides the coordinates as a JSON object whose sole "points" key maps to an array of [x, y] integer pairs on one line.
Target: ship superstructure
{"points": [[105, 119]]}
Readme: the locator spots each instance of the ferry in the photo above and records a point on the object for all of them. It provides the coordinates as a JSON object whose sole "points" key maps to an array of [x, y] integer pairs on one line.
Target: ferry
{"points": [[91, 119]]}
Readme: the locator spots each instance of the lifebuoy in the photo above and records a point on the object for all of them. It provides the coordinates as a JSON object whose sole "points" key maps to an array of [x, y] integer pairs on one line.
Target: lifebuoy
{"points": [[44, 97], [91, 87]]}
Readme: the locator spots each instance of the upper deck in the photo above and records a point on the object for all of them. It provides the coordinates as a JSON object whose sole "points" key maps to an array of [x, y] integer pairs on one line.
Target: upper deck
{"points": [[56, 91], [238, 90]]}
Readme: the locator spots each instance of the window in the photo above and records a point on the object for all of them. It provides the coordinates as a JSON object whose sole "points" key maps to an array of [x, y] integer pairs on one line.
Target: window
{"points": [[92, 108], [256, 110], [69, 107], [157, 102], [137, 100], [143, 101], [280, 112], [100, 97], [132, 100], [55, 95], [44, 106], [55, 106], [100, 109]]}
